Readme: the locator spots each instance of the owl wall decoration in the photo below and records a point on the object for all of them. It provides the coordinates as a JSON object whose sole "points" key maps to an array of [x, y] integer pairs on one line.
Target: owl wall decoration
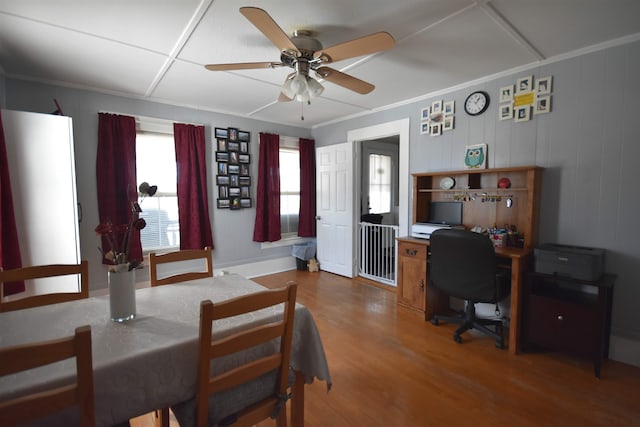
{"points": [[475, 156]]}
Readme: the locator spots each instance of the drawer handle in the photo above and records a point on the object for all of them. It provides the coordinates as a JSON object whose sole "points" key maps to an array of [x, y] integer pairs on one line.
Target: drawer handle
{"points": [[422, 285], [411, 252], [560, 317]]}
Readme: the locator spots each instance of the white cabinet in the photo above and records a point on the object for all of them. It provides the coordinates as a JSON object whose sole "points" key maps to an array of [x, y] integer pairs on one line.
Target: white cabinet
{"points": [[42, 170]]}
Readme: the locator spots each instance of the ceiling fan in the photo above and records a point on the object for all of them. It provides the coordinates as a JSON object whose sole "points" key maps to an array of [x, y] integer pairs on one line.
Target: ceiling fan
{"points": [[304, 53]]}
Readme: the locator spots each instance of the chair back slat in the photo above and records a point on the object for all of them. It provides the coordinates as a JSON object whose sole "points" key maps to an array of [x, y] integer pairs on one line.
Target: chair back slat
{"points": [[156, 260]]}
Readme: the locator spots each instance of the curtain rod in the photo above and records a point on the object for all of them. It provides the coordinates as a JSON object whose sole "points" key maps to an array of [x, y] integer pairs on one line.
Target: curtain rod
{"points": [[155, 119]]}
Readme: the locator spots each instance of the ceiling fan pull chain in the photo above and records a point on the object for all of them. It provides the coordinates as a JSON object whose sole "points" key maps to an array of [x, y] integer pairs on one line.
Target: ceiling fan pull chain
{"points": [[302, 111]]}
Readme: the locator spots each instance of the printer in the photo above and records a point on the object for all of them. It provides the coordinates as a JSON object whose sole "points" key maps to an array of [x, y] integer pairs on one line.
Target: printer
{"points": [[569, 261], [424, 230]]}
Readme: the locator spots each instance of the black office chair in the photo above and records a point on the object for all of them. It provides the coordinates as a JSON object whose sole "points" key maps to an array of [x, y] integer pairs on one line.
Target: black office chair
{"points": [[463, 265]]}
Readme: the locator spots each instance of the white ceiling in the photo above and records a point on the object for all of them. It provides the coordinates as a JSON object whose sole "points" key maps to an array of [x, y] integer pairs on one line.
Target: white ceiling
{"points": [[156, 49]]}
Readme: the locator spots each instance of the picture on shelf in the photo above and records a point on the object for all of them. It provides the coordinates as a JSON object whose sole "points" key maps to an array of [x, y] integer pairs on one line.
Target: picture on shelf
{"points": [[475, 156]]}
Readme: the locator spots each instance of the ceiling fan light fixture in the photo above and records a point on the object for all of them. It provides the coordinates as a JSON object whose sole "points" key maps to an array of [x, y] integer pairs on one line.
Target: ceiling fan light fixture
{"points": [[315, 88]]}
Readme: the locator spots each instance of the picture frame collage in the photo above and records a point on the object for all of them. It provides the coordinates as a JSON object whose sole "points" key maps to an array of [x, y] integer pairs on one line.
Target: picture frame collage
{"points": [[519, 102], [233, 175], [437, 118]]}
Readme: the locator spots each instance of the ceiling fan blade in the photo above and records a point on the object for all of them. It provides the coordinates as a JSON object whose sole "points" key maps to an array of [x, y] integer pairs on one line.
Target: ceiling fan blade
{"points": [[345, 80], [263, 21], [242, 66], [372, 43], [284, 98]]}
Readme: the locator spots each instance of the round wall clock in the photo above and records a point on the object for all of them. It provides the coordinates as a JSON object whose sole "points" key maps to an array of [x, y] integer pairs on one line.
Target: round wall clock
{"points": [[476, 103]]}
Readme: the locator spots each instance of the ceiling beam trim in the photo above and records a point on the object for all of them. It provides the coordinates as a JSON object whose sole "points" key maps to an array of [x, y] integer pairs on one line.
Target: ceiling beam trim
{"points": [[503, 23], [182, 40]]}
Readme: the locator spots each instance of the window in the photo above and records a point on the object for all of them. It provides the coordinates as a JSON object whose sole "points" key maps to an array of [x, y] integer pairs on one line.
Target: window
{"points": [[379, 184], [156, 164], [289, 186]]}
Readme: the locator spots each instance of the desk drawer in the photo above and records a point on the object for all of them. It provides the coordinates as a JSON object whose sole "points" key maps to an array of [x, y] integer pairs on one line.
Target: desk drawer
{"points": [[412, 250]]}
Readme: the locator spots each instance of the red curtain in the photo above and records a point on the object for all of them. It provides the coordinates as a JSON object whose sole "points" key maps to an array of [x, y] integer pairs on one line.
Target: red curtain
{"points": [[10, 257], [193, 202], [307, 216], [116, 175], [267, 225]]}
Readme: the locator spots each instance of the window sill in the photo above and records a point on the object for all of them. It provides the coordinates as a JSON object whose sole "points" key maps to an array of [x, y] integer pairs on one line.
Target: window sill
{"points": [[287, 241]]}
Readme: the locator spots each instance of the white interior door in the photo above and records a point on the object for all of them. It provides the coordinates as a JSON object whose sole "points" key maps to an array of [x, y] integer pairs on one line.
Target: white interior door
{"points": [[334, 207]]}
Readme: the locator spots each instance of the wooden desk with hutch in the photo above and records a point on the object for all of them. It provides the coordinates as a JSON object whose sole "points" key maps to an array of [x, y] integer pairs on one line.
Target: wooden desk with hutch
{"points": [[484, 204]]}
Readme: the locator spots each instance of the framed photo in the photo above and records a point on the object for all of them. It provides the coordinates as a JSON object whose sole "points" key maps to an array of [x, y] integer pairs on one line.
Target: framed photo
{"points": [[449, 107], [436, 118], [244, 158], [222, 179], [222, 169], [235, 203], [234, 191], [506, 111], [435, 129], [542, 105], [222, 144], [543, 85], [475, 156], [436, 107], [506, 93], [424, 113], [223, 191], [244, 136], [234, 181], [244, 170], [244, 147], [233, 146], [234, 169], [245, 202], [233, 157], [447, 124], [524, 84], [245, 191], [424, 128], [233, 134], [222, 156], [221, 133], [522, 113], [244, 180], [223, 204]]}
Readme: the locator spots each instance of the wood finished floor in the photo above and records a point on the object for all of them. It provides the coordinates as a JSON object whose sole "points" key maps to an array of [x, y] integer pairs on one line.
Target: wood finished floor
{"points": [[391, 368]]}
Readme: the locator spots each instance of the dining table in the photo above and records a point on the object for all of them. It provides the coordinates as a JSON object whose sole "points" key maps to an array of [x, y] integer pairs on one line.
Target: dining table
{"points": [[150, 362]]}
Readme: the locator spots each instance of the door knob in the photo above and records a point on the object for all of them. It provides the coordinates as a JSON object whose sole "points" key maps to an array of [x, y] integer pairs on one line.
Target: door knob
{"points": [[318, 217]]}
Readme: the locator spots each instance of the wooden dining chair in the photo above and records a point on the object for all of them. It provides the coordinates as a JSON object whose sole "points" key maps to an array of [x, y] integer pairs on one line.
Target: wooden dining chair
{"points": [[179, 257], [272, 406], [161, 416], [38, 405], [40, 272]]}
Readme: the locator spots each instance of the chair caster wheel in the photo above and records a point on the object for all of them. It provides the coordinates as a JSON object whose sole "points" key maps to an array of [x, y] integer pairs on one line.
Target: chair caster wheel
{"points": [[435, 322], [457, 338]]}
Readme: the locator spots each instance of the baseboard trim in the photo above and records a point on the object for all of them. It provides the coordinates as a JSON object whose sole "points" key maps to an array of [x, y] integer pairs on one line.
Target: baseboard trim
{"points": [[260, 268], [625, 350]]}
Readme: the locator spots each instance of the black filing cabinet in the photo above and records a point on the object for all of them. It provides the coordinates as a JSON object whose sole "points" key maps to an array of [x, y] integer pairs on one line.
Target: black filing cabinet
{"points": [[569, 315]]}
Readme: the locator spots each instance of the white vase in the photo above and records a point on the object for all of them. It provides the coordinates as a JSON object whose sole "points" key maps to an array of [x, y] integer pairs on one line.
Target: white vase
{"points": [[122, 295]]}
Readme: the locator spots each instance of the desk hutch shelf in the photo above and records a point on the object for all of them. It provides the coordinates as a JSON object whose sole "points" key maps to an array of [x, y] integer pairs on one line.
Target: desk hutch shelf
{"points": [[484, 203]]}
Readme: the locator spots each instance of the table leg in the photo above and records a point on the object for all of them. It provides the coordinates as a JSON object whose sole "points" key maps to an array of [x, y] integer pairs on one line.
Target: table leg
{"points": [[297, 401], [517, 267]]}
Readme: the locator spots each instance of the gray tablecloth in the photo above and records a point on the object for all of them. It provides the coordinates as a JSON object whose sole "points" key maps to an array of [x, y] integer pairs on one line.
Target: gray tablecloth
{"points": [[149, 362]]}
